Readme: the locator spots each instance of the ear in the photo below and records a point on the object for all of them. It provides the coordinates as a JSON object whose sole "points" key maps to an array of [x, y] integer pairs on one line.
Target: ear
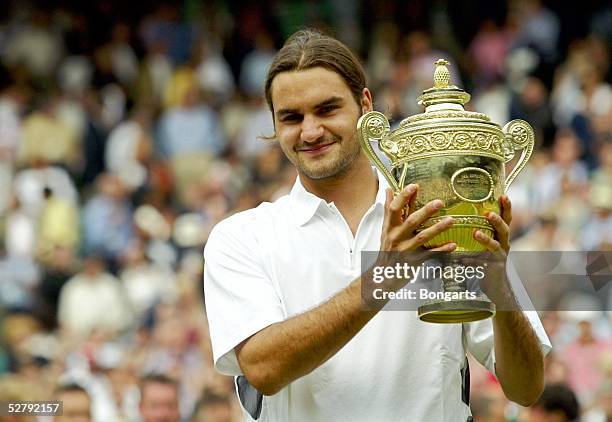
{"points": [[366, 101]]}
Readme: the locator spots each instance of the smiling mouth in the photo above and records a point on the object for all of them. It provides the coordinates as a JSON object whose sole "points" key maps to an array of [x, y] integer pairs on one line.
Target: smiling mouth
{"points": [[316, 148]]}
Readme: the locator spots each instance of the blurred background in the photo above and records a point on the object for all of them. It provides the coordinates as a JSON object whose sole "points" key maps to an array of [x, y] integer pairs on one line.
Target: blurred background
{"points": [[128, 129]]}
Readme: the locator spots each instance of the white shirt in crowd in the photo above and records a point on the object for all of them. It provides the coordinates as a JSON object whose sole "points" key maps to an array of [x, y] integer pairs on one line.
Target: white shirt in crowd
{"points": [[93, 302]]}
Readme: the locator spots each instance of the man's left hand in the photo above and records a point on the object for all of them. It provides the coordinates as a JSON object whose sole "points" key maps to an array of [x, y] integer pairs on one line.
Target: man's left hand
{"points": [[496, 286], [501, 224]]}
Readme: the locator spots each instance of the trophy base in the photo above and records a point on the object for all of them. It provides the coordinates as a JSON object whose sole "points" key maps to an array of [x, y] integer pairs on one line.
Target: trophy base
{"points": [[452, 312]]}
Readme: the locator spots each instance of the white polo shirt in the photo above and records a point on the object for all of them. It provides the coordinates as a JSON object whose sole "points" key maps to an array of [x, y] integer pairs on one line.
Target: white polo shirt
{"points": [[280, 259]]}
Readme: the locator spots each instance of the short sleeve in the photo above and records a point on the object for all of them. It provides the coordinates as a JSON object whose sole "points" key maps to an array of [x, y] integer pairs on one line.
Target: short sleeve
{"points": [[240, 298], [478, 336], [478, 341], [528, 309]]}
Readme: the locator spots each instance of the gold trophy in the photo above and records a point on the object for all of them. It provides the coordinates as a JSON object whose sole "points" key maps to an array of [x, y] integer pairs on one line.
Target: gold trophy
{"points": [[455, 155]]}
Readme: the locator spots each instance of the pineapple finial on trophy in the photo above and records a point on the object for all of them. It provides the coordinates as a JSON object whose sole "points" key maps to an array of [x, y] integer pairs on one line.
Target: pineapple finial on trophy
{"points": [[441, 74], [443, 94]]}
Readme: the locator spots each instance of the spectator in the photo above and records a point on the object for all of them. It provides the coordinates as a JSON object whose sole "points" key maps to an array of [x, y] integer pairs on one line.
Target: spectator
{"points": [[257, 124], [30, 184], [538, 28], [107, 220], [36, 45], [582, 358], [188, 134], [85, 301], [76, 404], [47, 136], [255, 65], [129, 147], [159, 399], [531, 104], [488, 49], [12, 101], [545, 236], [597, 231], [61, 266], [123, 58], [188, 126], [213, 407], [602, 406], [557, 403], [14, 390], [213, 72], [488, 403], [566, 169], [58, 226], [20, 237], [145, 283]]}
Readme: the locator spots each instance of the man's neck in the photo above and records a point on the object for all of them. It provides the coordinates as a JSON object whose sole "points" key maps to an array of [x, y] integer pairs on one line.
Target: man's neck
{"points": [[353, 192]]}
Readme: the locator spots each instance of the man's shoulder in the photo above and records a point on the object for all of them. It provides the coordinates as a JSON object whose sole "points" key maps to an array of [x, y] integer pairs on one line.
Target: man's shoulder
{"points": [[254, 221], [264, 211]]}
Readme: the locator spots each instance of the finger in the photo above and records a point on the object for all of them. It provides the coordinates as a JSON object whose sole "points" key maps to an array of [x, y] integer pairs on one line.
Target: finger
{"points": [[388, 199], [488, 242], [502, 230], [505, 208], [447, 247], [426, 235], [421, 215], [397, 205], [412, 204]]}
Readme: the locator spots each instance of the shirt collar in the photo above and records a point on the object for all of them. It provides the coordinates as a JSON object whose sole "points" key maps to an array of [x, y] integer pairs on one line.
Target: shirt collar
{"points": [[305, 204]]}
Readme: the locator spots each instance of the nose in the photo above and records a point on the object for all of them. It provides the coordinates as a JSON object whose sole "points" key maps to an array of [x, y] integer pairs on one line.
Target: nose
{"points": [[312, 129]]}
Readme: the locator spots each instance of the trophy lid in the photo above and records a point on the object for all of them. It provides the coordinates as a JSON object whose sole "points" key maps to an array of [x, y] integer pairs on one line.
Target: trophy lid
{"points": [[442, 92], [444, 97]]}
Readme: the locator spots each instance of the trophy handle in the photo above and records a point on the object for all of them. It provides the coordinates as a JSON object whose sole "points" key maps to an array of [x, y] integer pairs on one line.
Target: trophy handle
{"points": [[374, 126], [519, 134]]}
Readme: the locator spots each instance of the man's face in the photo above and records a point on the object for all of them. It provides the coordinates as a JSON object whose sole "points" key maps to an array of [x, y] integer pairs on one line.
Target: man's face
{"points": [[315, 118], [217, 412], [159, 403], [75, 407]]}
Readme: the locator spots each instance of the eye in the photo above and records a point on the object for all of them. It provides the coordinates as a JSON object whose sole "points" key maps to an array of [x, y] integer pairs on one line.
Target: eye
{"points": [[291, 118], [328, 109]]}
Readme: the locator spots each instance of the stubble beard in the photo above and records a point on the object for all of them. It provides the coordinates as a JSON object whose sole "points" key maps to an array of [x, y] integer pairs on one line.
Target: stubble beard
{"points": [[334, 169]]}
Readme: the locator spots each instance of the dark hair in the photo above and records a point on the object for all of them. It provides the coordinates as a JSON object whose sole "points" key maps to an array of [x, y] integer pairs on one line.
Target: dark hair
{"points": [[559, 397], [309, 48], [156, 379], [69, 388], [211, 398]]}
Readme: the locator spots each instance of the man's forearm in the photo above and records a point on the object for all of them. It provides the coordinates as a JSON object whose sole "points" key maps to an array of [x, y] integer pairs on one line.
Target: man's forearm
{"points": [[519, 363], [290, 349]]}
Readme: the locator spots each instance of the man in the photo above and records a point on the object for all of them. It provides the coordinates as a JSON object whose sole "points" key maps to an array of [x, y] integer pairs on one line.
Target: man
{"points": [[283, 281], [558, 403], [76, 403], [213, 407], [159, 399]]}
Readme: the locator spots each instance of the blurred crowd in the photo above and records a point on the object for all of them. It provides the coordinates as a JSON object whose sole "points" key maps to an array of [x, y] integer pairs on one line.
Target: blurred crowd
{"points": [[128, 130]]}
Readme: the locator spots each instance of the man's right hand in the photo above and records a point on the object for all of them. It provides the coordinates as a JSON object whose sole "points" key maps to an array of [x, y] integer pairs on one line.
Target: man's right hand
{"points": [[402, 219], [400, 241]]}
